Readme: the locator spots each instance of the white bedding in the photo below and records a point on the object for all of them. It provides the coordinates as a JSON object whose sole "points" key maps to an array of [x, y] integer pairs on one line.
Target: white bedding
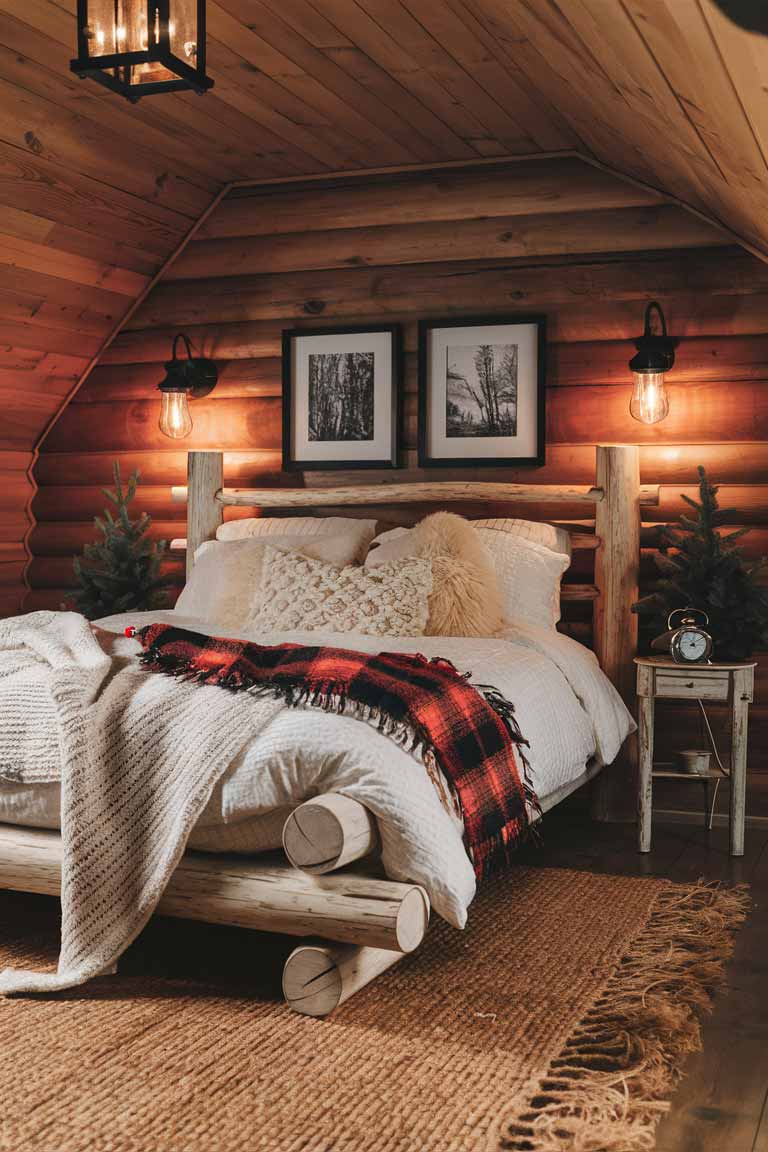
{"points": [[567, 709]]}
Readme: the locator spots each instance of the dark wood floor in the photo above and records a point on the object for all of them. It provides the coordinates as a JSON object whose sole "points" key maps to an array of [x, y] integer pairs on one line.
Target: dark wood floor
{"points": [[722, 1104]]}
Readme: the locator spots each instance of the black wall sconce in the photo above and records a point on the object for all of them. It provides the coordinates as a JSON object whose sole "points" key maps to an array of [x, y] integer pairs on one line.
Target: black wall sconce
{"points": [[139, 47], [655, 356], [185, 379]]}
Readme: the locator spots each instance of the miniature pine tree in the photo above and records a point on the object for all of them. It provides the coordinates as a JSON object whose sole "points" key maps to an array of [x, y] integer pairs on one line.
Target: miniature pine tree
{"points": [[707, 570], [121, 572]]}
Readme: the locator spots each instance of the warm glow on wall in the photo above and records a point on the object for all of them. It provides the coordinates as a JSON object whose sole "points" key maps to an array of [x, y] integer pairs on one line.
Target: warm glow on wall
{"points": [[655, 356]]}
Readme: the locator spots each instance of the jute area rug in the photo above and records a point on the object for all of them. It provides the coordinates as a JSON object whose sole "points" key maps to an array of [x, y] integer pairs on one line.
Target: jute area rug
{"points": [[558, 1021]]}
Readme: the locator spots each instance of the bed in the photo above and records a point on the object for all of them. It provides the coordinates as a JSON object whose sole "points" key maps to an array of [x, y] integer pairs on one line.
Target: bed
{"points": [[341, 800]]}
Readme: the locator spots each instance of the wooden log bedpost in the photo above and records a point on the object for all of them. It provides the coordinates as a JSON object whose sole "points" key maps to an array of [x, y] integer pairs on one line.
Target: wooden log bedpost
{"points": [[205, 477], [617, 563]]}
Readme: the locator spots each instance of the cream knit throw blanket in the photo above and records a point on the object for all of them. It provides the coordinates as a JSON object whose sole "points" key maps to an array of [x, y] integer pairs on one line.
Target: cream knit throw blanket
{"points": [[138, 756]]}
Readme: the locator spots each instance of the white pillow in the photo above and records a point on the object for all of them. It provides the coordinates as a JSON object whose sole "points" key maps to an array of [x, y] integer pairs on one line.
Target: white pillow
{"points": [[363, 530], [301, 594], [528, 577], [556, 539], [223, 586]]}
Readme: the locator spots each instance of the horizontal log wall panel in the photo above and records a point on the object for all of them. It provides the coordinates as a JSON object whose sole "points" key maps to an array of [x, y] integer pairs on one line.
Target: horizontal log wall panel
{"points": [[226, 424], [617, 230], [566, 463], [562, 185], [57, 571], [727, 359], [578, 415], [300, 257], [724, 276], [695, 318]]}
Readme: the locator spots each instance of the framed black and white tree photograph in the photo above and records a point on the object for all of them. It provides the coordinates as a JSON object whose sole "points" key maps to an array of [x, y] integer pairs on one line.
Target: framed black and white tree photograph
{"points": [[341, 389], [481, 391]]}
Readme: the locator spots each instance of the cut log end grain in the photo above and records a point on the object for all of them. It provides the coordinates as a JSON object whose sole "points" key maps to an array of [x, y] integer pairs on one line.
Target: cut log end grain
{"points": [[318, 977], [328, 832]]}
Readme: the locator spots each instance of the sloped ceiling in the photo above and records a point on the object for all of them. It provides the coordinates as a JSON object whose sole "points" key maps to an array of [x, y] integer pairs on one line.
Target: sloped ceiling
{"points": [[95, 194]]}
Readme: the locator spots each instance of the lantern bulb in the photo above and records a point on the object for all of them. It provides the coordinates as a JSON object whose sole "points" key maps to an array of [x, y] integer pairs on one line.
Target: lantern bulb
{"points": [[649, 402], [175, 420]]}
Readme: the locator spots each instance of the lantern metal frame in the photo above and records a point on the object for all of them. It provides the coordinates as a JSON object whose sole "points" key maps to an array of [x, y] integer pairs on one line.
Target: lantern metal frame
{"points": [[97, 67], [655, 350], [195, 375]]}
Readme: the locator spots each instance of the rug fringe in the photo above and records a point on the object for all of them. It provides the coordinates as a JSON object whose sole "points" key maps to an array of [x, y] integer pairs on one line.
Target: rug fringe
{"points": [[608, 1088]]}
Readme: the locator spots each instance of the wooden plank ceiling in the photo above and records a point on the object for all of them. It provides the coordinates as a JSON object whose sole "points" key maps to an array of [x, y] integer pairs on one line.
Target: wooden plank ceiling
{"points": [[95, 194]]}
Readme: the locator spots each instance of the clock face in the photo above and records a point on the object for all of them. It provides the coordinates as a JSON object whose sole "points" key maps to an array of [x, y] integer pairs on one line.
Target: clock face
{"points": [[691, 646]]}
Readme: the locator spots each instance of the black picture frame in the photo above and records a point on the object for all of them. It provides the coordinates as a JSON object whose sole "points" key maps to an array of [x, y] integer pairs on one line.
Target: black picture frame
{"points": [[291, 463], [426, 458]]}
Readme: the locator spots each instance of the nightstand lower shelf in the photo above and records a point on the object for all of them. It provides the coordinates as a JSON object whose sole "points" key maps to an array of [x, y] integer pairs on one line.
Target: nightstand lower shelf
{"points": [[671, 774]]}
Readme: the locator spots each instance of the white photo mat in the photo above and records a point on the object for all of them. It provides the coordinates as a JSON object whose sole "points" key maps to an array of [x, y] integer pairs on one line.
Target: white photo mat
{"points": [[379, 447], [525, 442]]}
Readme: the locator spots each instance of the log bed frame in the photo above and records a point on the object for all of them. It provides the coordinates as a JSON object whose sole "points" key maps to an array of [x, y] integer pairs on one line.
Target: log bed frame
{"points": [[365, 923]]}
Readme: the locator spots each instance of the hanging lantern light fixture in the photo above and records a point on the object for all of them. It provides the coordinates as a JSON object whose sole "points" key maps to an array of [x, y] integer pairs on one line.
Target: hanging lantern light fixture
{"points": [[655, 356], [138, 47], [189, 378]]}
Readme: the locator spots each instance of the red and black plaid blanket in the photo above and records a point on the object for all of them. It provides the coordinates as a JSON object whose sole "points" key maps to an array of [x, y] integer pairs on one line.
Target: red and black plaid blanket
{"points": [[469, 730]]}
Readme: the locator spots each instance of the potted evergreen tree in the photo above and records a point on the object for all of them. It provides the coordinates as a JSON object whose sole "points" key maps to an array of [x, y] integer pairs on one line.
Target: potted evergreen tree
{"points": [[703, 568], [121, 571]]}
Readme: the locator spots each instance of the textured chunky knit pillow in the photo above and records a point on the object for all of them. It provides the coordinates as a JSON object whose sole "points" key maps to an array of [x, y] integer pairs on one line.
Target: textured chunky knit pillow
{"points": [[223, 587], [299, 594]]}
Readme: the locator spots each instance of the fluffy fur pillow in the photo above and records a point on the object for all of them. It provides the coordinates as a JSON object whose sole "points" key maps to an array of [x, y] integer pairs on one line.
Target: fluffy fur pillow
{"points": [[299, 594], [465, 597]]}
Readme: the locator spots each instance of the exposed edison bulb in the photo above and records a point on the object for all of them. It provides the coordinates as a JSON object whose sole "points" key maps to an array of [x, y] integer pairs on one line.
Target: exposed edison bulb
{"points": [[175, 420], [649, 402]]}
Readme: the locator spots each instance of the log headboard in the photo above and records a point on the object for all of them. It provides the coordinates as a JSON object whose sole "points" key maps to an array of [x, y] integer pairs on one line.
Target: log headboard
{"points": [[614, 499]]}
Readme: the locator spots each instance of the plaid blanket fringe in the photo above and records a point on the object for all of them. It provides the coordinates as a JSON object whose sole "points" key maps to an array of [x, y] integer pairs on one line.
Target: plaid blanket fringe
{"points": [[495, 796]]}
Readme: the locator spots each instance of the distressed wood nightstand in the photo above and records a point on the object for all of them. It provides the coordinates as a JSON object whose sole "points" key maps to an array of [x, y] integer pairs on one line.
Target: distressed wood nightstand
{"points": [[661, 679]]}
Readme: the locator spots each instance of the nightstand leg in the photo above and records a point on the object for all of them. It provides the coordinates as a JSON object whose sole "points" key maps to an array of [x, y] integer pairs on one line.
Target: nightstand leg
{"points": [[738, 770], [645, 772]]}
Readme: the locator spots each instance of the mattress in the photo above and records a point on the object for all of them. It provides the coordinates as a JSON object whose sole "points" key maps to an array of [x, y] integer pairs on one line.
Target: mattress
{"points": [[567, 710]]}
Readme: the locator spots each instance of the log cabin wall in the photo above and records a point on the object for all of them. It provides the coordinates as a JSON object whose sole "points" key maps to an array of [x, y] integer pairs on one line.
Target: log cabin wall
{"points": [[560, 237]]}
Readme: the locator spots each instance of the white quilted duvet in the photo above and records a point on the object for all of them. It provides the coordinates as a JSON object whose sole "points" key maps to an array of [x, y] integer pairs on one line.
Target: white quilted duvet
{"points": [[566, 707]]}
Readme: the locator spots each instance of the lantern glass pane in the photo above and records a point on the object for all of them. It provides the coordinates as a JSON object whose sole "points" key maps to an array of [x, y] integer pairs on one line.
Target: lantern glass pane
{"points": [[649, 402], [182, 28], [175, 419], [101, 29]]}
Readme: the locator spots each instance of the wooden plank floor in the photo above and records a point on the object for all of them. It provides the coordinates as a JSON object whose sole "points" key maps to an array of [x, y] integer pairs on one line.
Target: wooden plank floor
{"points": [[722, 1104]]}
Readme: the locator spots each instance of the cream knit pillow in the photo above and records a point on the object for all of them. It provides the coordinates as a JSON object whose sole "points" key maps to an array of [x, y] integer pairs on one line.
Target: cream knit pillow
{"points": [[299, 594], [223, 587]]}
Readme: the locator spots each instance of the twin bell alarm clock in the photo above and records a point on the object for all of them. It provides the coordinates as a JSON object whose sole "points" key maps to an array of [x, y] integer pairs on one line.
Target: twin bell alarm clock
{"points": [[686, 639]]}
